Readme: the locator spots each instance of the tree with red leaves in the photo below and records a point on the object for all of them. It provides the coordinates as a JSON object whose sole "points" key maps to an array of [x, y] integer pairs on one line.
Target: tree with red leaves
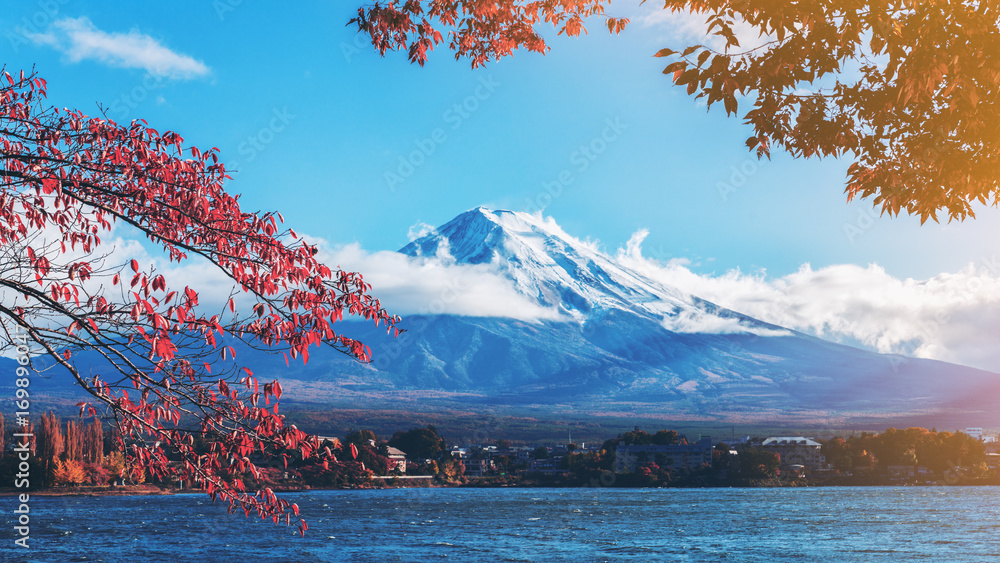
{"points": [[907, 88], [66, 180]]}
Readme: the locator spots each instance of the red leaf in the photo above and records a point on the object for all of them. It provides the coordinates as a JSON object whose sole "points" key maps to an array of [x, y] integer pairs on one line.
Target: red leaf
{"points": [[49, 185]]}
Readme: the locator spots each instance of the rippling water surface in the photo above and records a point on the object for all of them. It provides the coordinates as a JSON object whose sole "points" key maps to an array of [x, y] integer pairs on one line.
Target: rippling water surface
{"points": [[588, 524]]}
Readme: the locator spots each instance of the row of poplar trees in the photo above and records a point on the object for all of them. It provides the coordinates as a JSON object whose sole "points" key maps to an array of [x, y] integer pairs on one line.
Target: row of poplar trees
{"points": [[63, 452]]}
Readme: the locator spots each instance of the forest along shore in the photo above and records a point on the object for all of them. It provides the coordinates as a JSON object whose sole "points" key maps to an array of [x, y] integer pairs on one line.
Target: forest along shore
{"points": [[84, 465]]}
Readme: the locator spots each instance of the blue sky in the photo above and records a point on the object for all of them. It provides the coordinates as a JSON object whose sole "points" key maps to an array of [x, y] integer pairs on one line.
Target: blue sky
{"points": [[352, 115], [321, 129]]}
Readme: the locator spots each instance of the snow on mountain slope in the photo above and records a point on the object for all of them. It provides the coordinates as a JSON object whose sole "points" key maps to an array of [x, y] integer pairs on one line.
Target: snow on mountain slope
{"points": [[631, 344], [560, 271], [620, 345]]}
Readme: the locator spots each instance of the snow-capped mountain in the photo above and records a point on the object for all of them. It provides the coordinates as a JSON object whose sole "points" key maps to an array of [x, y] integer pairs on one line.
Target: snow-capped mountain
{"points": [[622, 344], [559, 271], [619, 344]]}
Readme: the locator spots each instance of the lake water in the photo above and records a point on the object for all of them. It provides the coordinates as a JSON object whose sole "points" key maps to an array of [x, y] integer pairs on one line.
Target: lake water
{"points": [[588, 524]]}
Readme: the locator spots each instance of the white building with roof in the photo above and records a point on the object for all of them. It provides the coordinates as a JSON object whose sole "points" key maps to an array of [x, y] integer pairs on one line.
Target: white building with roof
{"points": [[397, 459], [796, 450]]}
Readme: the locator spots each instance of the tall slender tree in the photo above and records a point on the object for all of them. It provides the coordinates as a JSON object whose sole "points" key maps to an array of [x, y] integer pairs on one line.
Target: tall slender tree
{"points": [[73, 450], [50, 437], [93, 442], [50, 442]]}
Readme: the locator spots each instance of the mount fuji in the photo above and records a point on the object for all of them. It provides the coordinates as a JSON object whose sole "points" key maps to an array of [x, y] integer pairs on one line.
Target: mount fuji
{"points": [[609, 341], [614, 342], [575, 280]]}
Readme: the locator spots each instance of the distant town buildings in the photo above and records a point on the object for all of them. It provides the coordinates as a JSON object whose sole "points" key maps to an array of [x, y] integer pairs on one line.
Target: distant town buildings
{"points": [[478, 467], [798, 456], [676, 456]]}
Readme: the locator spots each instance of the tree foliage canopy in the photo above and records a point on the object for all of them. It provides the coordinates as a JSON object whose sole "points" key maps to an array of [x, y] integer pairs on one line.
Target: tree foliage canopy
{"points": [[170, 375], [419, 443], [909, 89]]}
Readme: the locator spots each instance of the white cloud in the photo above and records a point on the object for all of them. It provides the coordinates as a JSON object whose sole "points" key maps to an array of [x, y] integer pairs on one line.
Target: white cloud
{"points": [[403, 284], [435, 285], [549, 224], [79, 39], [698, 322], [419, 230], [690, 321], [950, 317], [633, 248]]}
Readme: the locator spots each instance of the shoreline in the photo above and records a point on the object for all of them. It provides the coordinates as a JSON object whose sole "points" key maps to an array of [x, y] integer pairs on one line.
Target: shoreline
{"points": [[153, 490], [147, 490]]}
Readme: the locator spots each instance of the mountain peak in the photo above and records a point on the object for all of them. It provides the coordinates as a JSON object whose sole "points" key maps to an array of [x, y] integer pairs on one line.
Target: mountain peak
{"points": [[511, 221], [483, 235], [575, 278]]}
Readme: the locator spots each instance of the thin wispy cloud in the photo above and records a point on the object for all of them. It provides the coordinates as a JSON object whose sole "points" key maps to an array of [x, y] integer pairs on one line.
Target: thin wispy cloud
{"points": [[79, 39]]}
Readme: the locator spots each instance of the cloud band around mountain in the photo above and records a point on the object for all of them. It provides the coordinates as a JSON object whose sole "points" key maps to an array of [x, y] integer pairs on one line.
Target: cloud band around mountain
{"points": [[953, 317]]}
